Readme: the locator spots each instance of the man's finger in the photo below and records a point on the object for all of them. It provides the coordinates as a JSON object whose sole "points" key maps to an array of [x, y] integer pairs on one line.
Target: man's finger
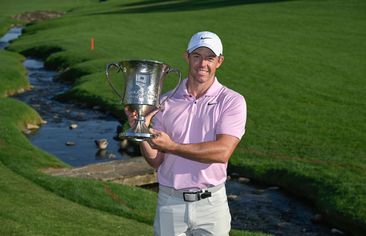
{"points": [[153, 113], [153, 131]]}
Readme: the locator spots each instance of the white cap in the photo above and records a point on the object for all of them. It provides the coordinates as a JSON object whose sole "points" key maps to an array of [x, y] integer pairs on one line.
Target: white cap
{"points": [[205, 39]]}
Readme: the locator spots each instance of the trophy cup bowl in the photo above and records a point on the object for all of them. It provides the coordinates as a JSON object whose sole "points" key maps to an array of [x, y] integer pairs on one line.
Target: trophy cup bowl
{"points": [[143, 87]]}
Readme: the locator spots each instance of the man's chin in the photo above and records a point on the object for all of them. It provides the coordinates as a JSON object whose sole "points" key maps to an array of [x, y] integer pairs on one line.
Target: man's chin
{"points": [[202, 75]]}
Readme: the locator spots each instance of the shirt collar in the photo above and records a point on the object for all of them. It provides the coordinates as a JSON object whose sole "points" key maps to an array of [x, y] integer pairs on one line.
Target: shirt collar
{"points": [[212, 91]]}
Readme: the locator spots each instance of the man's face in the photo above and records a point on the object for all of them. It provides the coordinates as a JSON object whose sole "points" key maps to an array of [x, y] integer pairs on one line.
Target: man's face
{"points": [[203, 64]]}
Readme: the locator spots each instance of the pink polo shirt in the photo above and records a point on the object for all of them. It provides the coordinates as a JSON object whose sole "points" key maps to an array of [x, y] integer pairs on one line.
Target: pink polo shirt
{"points": [[189, 120]]}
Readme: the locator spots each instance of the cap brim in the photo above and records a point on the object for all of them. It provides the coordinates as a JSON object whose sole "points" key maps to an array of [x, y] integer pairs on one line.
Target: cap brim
{"points": [[217, 53]]}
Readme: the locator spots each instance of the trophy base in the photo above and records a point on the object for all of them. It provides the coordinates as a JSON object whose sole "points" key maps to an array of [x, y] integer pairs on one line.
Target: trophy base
{"points": [[137, 137], [138, 133]]}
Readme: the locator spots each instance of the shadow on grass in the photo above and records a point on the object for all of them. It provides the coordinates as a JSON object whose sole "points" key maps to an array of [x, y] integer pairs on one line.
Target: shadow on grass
{"points": [[147, 6]]}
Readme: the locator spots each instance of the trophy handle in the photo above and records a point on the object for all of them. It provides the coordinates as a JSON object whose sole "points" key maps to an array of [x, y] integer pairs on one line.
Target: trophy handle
{"points": [[119, 68], [176, 70]]}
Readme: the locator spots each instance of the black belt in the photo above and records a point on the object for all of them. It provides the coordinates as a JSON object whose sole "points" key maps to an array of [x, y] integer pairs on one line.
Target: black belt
{"points": [[191, 195]]}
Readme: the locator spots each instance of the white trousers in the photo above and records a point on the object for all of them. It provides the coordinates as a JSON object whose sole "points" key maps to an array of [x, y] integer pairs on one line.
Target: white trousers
{"points": [[209, 216]]}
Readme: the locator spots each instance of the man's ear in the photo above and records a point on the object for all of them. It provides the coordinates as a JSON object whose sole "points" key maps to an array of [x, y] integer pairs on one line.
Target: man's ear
{"points": [[221, 60], [186, 56]]}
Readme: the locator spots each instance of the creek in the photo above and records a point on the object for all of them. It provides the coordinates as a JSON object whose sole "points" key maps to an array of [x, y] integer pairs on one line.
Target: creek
{"points": [[253, 207]]}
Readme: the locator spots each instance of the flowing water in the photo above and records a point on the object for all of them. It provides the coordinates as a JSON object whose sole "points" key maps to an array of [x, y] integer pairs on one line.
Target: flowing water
{"points": [[75, 146], [257, 208]]}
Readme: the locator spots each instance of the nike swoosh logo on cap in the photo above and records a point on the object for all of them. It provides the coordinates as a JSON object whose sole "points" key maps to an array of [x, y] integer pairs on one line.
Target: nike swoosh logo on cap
{"points": [[205, 38]]}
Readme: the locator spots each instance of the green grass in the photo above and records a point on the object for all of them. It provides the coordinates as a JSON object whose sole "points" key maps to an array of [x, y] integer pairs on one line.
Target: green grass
{"points": [[300, 65], [28, 209], [13, 73]]}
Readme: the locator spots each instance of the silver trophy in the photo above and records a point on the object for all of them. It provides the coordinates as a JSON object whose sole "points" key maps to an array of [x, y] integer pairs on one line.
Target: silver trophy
{"points": [[142, 89]]}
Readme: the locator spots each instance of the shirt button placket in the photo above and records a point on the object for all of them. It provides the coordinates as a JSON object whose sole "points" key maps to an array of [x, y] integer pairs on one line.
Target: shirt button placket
{"points": [[194, 107]]}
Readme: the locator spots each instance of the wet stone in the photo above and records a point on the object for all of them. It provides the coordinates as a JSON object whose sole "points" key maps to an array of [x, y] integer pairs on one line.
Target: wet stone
{"points": [[273, 188], [27, 131], [73, 126], [21, 90], [243, 180], [337, 231], [32, 126], [258, 191], [36, 106], [234, 175], [70, 143], [112, 156], [123, 144], [101, 143], [232, 197]]}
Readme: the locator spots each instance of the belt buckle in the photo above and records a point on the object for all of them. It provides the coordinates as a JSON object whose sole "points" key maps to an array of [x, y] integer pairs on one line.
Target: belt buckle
{"points": [[195, 196], [191, 196]]}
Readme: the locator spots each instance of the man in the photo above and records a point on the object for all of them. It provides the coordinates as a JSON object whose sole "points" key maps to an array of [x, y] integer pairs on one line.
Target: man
{"points": [[195, 133]]}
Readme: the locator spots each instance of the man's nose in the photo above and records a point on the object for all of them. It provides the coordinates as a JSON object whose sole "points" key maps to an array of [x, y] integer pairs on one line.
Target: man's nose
{"points": [[203, 62]]}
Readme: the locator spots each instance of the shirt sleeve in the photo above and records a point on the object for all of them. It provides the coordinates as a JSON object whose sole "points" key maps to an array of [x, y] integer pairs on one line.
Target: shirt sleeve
{"points": [[233, 118]]}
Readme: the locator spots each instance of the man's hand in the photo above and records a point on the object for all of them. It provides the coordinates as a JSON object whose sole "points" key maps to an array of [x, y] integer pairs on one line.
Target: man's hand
{"points": [[161, 141], [150, 154], [132, 117]]}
